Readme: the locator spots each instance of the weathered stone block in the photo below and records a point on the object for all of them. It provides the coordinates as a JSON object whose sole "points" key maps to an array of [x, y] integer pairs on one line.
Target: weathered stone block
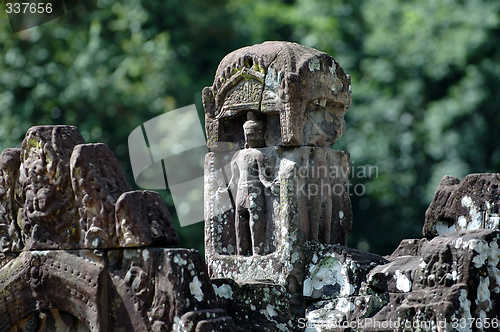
{"points": [[151, 289], [256, 306], [307, 200], [48, 218], [447, 280], [472, 203], [337, 271], [290, 84]]}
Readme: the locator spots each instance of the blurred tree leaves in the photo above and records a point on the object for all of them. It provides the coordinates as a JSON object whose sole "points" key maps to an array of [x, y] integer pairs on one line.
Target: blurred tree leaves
{"points": [[424, 75]]}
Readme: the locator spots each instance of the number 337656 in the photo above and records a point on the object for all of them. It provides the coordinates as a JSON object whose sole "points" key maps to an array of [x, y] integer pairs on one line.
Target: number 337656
{"points": [[27, 7]]}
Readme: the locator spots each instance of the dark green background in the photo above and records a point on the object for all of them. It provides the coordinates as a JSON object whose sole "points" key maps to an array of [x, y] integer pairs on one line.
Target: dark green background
{"points": [[425, 79]]}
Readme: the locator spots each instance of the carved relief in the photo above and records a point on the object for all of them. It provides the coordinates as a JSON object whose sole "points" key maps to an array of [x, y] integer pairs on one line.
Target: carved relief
{"points": [[96, 193], [10, 233], [279, 79], [250, 170], [48, 218]]}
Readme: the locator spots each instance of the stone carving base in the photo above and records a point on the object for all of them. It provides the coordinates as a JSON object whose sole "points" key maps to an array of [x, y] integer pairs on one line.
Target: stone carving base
{"points": [[153, 289], [256, 306]]}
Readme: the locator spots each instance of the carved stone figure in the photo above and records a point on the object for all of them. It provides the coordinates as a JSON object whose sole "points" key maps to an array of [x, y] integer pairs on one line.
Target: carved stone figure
{"points": [[249, 166], [272, 115]]}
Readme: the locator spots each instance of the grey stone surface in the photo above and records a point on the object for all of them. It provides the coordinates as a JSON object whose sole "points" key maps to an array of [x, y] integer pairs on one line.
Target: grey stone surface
{"points": [[440, 285]]}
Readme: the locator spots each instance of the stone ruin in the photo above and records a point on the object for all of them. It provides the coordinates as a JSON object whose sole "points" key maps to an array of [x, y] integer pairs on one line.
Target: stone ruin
{"points": [[82, 251]]}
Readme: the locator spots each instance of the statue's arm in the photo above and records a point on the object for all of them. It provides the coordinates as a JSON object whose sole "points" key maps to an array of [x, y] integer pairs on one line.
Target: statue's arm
{"points": [[273, 184]]}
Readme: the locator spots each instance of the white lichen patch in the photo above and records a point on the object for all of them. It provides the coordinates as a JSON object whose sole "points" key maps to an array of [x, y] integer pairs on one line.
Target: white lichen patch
{"points": [[493, 260], [465, 307], [475, 215], [442, 227], [422, 265], [145, 254], [195, 289], [467, 202], [270, 310], [402, 282], [328, 272], [462, 222], [273, 79], [483, 293], [333, 69], [41, 252], [224, 291], [314, 64], [344, 305], [483, 250], [179, 260]]}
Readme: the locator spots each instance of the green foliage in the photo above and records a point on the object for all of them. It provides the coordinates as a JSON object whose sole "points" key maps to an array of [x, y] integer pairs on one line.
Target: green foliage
{"points": [[424, 74]]}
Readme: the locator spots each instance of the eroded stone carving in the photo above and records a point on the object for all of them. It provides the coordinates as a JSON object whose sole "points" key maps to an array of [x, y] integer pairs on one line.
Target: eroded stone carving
{"points": [[48, 217], [291, 185], [59, 194], [272, 115], [249, 167], [10, 234], [285, 81], [66, 215]]}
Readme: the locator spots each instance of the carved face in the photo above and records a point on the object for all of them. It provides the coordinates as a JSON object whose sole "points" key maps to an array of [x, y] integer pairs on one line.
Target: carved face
{"points": [[254, 133], [324, 123]]}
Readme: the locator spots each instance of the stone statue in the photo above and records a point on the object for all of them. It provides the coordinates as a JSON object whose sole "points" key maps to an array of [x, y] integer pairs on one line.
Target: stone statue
{"points": [[249, 166], [272, 115]]}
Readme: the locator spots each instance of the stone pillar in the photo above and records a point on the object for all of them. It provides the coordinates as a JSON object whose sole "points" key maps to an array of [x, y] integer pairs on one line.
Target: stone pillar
{"points": [[273, 185]]}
